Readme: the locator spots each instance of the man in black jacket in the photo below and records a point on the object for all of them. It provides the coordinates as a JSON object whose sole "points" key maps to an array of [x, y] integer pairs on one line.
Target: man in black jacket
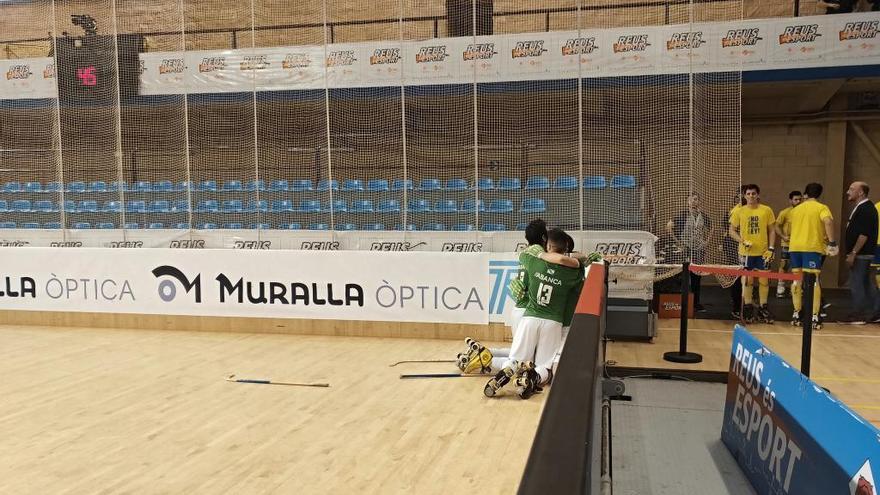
{"points": [[861, 237]]}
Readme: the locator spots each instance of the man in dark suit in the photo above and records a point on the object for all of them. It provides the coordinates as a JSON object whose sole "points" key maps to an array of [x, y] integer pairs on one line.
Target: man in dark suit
{"points": [[861, 238]]}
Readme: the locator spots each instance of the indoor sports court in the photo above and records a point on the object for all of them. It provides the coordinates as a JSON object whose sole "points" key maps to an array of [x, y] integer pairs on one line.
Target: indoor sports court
{"points": [[255, 246]]}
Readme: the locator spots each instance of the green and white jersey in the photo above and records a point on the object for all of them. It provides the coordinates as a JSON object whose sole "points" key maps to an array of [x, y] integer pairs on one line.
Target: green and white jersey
{"points": [[518, 286], [549, 287]]}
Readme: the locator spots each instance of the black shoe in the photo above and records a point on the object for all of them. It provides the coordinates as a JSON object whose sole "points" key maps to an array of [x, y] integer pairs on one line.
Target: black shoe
{"points": [[699, 308], [736, 315], [874, 319]]}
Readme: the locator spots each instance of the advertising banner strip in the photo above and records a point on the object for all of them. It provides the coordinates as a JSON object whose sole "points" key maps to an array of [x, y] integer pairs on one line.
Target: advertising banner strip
{"points": [[758, 44], [788, 434]]}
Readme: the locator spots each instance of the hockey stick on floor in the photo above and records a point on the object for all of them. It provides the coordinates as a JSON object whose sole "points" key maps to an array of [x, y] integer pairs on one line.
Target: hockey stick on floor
{"points": [[445, 375], [231, 378], [424, 361]]}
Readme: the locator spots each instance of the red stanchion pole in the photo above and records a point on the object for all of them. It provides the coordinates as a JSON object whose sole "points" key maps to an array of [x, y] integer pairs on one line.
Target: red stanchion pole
{"points": [[682, 355]]}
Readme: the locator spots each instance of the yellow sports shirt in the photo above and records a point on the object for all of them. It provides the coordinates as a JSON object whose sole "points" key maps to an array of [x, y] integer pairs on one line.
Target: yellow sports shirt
{"points": [[753, 224], [808, 228], [784, 223]]}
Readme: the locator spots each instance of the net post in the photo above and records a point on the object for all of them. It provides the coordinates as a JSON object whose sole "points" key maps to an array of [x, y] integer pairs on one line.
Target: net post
{"points": [[682, 355], [809, 282]]}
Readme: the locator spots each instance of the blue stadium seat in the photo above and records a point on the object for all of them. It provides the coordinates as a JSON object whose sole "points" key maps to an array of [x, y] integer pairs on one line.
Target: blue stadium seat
{"points": [[111, 207], [160, 206], [69, 206], [433, 226], [534, 205], [429, 185], [21, 206], [105, 225], [594, 182], [156, 225], [279, 185], [4, 207], [372, 226], [52, 225], [52, 187], [208, 206], [537, 182], [180, 206], [206, 226], [377, 185], [12, 187], [7, 225], [445, 206], [500, 206], [463, 227], [509, 184], [117, 186], [493, 227], [401, 184], [143, 186], [30, 225], [255, 185], [362, 206], [136, 207], [207, 186], [97, 186], [338, 206], [181, 226], [280, 205], [352, 185], [260, 226], [131, 226], [300, 185], [419, 206], [409, 226], [470, 205], [345, 226], [319, 226], [43, 206], [232, 206], [232, 186], [184, 186], [456, 184], [328, 185], [33, 187], [232, 226], [261, 206], [388, 206], [163, 186], [72, 187], [290, 226], [623, 182], [565, 182], [485, 184], [310, 206], [82, 225], [88, 206]]}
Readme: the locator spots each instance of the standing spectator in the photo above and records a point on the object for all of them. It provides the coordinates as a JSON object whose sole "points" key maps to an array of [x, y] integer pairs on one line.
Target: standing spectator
{"points": [[861, 242], [691, 230], [783, 230], [837, 6]]}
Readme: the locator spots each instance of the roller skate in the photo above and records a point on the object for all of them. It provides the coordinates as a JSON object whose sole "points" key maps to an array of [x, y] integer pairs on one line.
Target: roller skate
{"points": [[501, 379], [764, 315], [478, 358], [817, 322], [528, 381], [796, 319], [748, 313]]}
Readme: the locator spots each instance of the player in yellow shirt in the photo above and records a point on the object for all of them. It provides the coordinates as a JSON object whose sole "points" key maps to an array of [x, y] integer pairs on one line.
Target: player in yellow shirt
{"points": [[811, 225], [752, 227], [783, 231]]}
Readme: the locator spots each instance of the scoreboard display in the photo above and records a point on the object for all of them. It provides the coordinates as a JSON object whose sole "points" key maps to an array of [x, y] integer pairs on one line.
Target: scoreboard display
{"points": [[87, 68]]}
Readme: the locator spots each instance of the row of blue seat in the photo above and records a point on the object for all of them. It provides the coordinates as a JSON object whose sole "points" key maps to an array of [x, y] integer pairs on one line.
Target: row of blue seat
{"points": [[535, 182], [530, 205], [489, 227]]}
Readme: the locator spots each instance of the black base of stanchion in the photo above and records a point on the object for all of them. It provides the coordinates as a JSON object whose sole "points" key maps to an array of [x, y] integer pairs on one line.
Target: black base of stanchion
{"points": [[683, 357]]}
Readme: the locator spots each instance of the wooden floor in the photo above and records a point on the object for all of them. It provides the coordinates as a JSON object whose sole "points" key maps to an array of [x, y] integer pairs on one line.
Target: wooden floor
{"points": [[134, 411], [844, 358]]}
